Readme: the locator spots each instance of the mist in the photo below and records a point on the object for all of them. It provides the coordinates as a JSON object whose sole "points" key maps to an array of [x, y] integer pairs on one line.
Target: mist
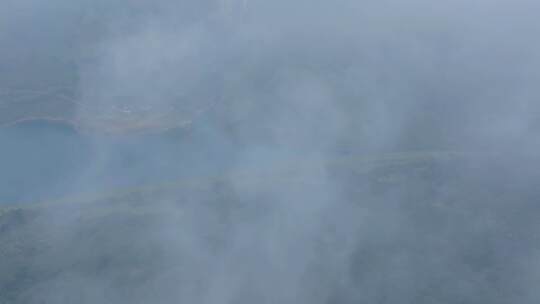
{"points": [[241, 151]]}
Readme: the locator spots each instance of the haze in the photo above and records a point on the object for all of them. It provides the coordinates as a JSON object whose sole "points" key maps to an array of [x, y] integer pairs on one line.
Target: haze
{"points": [[252, 151]]}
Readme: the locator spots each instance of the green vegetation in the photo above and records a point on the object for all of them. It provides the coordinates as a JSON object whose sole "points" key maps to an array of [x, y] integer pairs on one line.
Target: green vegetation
{"points": [[109, 236]]}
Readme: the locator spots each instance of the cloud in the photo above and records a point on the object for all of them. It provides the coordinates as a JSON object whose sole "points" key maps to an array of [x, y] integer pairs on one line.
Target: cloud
{"points": [[264, 100]]}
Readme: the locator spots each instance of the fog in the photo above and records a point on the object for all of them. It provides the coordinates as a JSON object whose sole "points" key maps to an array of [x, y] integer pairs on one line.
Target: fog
{"points": [[241, 151]]}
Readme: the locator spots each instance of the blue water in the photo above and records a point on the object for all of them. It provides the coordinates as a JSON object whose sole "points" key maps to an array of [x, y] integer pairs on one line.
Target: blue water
{"points": [[44, 160]]}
